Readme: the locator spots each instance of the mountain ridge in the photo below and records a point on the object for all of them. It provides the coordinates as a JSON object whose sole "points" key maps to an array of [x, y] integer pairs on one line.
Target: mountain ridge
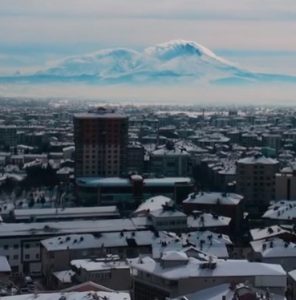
{"points": [[173, 61]]}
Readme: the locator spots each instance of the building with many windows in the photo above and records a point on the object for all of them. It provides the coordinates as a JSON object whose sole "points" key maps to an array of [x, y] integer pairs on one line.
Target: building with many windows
{"points": [[101, 139]]}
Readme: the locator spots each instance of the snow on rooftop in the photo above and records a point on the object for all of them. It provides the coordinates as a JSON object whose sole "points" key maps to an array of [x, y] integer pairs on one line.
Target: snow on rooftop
{"points": [[258, 160], [174, 255], [67, 211], [223, 290], [152, 204], [64, 276], [274, 247], [223, 268], [90, 295], [212, 198], [108, 239], [203, 243], [267, 232], [293, 274], [68, 227], [206, 220], [4, 265], [91, 265], [281, 210]]}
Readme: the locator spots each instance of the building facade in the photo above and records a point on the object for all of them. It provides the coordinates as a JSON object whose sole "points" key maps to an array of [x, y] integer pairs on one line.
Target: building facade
{"points": [[101, 139]]}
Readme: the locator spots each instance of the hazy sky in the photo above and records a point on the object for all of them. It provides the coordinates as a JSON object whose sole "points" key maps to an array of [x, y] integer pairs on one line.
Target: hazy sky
{"points": [[259, 34]]}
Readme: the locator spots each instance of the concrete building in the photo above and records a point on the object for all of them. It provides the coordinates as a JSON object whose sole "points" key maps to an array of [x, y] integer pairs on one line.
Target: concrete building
{"points": [[170, 161], [281, 212], [177, 274], [130, 192], [101, 139], [285, 184], [135, 158], [109, 272], [8, 136], [275, 251], [256, 181], [225, 204]]}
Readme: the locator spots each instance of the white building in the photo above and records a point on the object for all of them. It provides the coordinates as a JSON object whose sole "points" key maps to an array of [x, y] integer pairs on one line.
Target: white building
{"points": [[176, 274]]}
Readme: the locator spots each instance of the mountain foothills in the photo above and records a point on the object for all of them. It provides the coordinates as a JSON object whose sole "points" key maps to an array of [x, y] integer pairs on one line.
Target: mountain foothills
{"points": [[174, 61]]}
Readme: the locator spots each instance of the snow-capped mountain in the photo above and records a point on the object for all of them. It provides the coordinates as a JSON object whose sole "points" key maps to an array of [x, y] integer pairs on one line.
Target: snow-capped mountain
{"points": [[173, 61]]}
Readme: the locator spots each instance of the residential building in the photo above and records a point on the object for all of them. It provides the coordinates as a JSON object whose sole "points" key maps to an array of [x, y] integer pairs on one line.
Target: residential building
{"points": [[256, 181], [100, 143], [177, 274]]}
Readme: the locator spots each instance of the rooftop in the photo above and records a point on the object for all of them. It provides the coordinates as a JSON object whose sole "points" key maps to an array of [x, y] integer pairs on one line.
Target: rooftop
{"points": [[212, 198], [223, 268], [257, 160], [90, 295], [281, 210], [267, 232], [116, 181], [274, 247]]}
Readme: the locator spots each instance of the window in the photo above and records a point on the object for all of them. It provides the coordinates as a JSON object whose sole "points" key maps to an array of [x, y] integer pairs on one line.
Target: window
{"points": [[15, 246], [27, 256], [37, 256], [27, 246], [15, 256], [5, 247]]}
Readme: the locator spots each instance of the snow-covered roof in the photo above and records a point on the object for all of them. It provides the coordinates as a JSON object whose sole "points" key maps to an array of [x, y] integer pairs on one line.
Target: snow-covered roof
{"points": [[204, 242], [281, 210], [223, 268], [152, 204], [174, 256], [212, 198], [267, 232], [258, 160], [64, 276], [163, 213], [89, 295], [4, 265], [274, 247], [71, 212], [68, 227], [108, 239], [91, 265], [224, 290], [293, 274], [206, 220]]}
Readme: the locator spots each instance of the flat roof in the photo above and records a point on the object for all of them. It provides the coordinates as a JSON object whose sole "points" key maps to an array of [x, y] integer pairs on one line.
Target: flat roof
{"points": [[68, 212], [117, 181], [67, 227], [107, 115]]}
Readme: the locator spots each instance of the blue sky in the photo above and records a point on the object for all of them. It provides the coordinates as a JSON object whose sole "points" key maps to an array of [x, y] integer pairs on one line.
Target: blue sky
{"points": [[256, 34]]}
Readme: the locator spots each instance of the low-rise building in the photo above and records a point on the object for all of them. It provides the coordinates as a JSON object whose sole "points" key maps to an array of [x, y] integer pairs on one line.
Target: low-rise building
{"points": [[275, 251], [109, 271], [225, 204], [177, 274]]}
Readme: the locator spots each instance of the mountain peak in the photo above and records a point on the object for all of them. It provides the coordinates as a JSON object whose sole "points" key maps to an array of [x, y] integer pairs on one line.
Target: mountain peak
{"points": [[175, 48]]}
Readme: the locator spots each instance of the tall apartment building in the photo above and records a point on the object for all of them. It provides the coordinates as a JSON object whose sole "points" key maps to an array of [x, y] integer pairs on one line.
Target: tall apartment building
{"points": [[285, 184], [256, 182], [8, 136], [101, 139]]}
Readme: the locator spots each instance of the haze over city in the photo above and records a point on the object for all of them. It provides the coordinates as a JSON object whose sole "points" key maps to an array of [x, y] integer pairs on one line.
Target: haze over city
{"points": [[254, 37]]}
